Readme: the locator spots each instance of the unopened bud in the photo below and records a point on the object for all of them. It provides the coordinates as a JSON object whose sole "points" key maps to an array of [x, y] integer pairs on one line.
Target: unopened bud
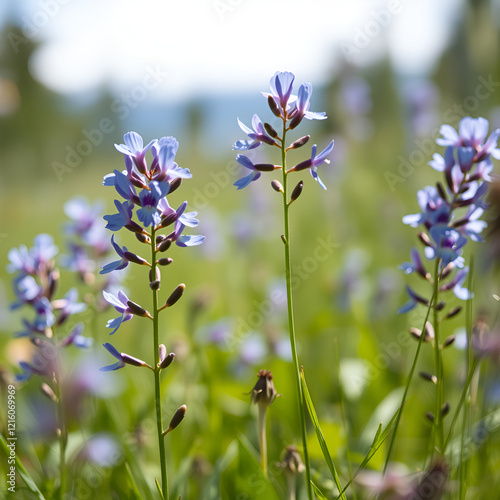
{"points": [[132, 257], [441, 191], [143, 238], [424, 238], [429, 377], [160, 238], [176, 295], [265, 167], [297, 191], [296, 121], [440, 306], [167, 361], [303, 165], [300, 142], [165, 261], [445, 409], [136, 308], [453, 312], [175, 184], [449, 340], [48, 392], [131, 360], [155, 285], [270, 130], [176, 419], [292, 463], [157, 275], [134, 227], [447, 270], [164, 245], [430, 416], [416, 332], [169, 219], [273, 106], [276, 185]]}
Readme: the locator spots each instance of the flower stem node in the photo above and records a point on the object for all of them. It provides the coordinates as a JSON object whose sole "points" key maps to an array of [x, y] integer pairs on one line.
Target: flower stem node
{"points": [[276, 185], [176, 419]]}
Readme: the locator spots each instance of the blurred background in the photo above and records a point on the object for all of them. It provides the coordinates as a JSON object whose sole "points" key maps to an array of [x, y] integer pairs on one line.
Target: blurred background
{"points": [[76, 75]]}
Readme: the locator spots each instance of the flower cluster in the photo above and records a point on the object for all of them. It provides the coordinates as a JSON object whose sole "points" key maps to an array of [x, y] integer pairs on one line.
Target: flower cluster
{"points": [[291, 109], [35, 283], [144, 189], [451, 209]]}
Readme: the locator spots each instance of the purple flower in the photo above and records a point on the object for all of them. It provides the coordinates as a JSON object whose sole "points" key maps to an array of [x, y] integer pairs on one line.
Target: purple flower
{"points": [[149, 198], [120, 303], [122, 184], [302, 107], [164, 167], [122, 358], [26, 290], [44, 314], [126, 257], [414, 300], [281, 88], [169, 215], [314, 162], [122, 218], [257, 136], [134, 147], [68, 305], [415, 265], [182, 240], [253, 176], [86, 220], [76, 338], [435, 210], [456, 285], [449, 243]]}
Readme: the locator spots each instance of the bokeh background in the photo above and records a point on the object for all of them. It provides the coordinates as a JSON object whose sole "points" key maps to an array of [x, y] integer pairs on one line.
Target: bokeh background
{"points": [[76, 75]]}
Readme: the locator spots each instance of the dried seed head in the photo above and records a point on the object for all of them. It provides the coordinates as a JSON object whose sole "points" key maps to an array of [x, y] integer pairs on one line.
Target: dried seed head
{"points": [[264, 392], [300, 142], [176, 419], [297, 191], [276, 185], [292, 463], [175, 295], [136, 309]]}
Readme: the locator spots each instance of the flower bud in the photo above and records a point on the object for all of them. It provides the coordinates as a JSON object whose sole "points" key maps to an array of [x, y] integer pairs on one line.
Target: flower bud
{"points": [[445, 409], [296, 121], [270, 130], [175, 295], [429, 377], [160, 238], [449, 340], [447, 270], [136, 309], [441, 191], [164, 245], [165, 261], [297, 191], [162, 352], [132, 257], [143, 238], [430, 416], [300, 142], [292, 463], [169, 219], [134, 227], [265, 167], [440, 306], [131, 360], [174, 184], [157, 275], [167, 361], [264, 392], [424, 238], [273, 106], [54, 277], [48, 392], [302, 166], [453, 312], [155, 285], [176, 419], [276, 185]]}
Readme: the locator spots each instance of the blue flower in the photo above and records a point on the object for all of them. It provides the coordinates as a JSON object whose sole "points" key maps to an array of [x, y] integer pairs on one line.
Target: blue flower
{"points": [[164, 167], [122, 218], [26, 290], [253, 176], [449, 243], [415, 265], [134, 147], [414, 300], [44, 314], [456, 285], [120, 303], [125, 255], [182, 240], [281, 87], [257, 136], [76, 338], [68, 305], [117, 355], [148, 213], [314, 162], [302, 107], [122, 184]]}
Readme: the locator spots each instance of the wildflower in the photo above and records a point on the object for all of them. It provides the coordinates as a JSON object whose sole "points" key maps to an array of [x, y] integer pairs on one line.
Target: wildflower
{"points": [[292, 466], [121, 303], [149, 198], [314, 162], [126, 257], [253, 176], [122, 218], [302, 107], [122, 358], [134, 147], [281, 87], [257, 135]]}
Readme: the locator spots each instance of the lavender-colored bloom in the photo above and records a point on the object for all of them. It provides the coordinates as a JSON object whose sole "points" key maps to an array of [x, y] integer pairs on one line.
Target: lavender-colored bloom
{"points": [[434, 209], [414, 300], [188, 218], [449, 243], [281, 87], [26, 290], [20, 261], [253, 176], [120, 303], [149, 198], [32, 260], [415, 265], [45, 317], [164, 167], [68, 305], [456, 285], [122, 184], [122, 218], [116, 366], [117, 264], [303, 102], [134, 147], [76, 338], [257, 135], [183, 240], [102, 450], [314, 162]]}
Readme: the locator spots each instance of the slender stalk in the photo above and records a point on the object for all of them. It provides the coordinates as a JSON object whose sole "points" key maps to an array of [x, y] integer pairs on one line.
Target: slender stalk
{"points": [[63, 438], [407, 387], [262, 437], [438, 361], [159, 419], [291, 324]]}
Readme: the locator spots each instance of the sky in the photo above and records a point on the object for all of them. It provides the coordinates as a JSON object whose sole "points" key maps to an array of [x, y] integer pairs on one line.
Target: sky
{"points": [[178, 50]]}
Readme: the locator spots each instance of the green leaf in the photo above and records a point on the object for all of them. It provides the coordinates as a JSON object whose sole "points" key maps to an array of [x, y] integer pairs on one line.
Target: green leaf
{"points": [[23, 473], [158, 487], [319, 434], [318, 492]]}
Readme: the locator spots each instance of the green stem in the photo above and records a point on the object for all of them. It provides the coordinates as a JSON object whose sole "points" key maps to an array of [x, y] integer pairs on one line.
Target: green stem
{"points": [[438, 361], [63, 437], [159, 419], [262, 437], [291, 324]]}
